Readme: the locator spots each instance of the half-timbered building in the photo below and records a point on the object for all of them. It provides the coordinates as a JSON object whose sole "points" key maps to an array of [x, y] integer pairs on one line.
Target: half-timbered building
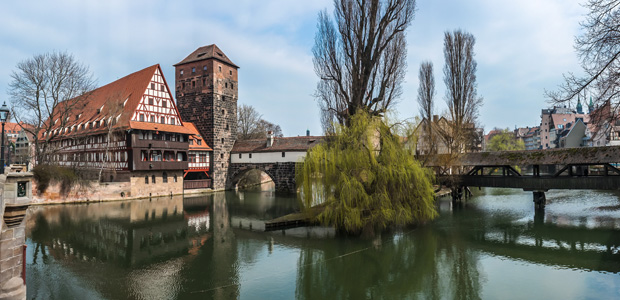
{"points": [[199, 161], [129, 131]]}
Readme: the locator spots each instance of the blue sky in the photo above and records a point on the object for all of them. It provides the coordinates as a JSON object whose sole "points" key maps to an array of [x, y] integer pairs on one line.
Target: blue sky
{"points": [[522, 48]]}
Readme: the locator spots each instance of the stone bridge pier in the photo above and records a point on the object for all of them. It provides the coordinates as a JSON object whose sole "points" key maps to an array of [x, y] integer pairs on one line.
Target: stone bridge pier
{"points": [[282, 174], [15, 197]]}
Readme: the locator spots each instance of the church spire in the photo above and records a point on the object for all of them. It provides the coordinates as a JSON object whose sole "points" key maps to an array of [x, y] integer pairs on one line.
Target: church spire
{"points": [[579, 106]]}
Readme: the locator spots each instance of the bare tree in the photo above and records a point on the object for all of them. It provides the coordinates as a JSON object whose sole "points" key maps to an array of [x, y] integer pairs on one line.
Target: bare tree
{"points": [[426, 93], [461, 88], [598, 48], [251, 125], [247, 122], [361, 60], [44, 91]]}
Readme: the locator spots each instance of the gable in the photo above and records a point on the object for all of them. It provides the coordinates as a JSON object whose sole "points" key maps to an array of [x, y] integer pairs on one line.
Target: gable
{"points": [[156, 104]]}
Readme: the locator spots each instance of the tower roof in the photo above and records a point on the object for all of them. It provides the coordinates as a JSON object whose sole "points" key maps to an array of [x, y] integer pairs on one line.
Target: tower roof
{"points": [[207, 52]]}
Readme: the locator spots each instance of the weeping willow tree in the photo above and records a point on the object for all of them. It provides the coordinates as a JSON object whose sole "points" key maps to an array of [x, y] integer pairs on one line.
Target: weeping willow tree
{"points": [[366, 179]]}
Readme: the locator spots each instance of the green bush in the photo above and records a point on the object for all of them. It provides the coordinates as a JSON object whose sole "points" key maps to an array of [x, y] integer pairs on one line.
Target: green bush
{"points": [[46, 174]]}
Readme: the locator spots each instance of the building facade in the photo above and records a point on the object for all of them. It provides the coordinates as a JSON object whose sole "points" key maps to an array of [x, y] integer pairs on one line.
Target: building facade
{"points": [[199, 161], [128, 131], [207, 93]]}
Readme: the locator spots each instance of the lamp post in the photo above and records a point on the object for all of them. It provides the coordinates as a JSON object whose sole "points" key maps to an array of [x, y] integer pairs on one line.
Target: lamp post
{"points": [[4, 115]]}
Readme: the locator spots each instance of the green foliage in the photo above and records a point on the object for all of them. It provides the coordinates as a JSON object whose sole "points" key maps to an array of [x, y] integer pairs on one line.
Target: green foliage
{"points": [[505, 141], [45, 174], [366, 179]]}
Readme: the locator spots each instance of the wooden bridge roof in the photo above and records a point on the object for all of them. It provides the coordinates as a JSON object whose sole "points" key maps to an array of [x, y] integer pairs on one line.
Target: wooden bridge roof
{"points": [[563, 156]]}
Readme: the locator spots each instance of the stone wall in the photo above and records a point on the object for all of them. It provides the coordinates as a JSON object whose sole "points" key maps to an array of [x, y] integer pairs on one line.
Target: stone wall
{"points": [[139, 187], [208, 98], [282, 174]]}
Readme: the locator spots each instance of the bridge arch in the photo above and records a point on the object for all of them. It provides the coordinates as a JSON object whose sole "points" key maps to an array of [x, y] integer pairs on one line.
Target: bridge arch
{"points": [[282, 174]]}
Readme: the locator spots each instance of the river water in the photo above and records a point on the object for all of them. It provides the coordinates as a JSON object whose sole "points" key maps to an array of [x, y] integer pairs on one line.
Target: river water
{"points": [[494, 246]]}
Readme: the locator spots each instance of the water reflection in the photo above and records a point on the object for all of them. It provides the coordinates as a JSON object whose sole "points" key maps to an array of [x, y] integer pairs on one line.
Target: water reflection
{"points": [[215, 247]]}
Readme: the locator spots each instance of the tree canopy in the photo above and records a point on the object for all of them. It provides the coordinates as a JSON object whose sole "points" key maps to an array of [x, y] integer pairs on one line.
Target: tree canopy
{"points": [[505, 141], [366, 179], [598, 48], [361, 58]]}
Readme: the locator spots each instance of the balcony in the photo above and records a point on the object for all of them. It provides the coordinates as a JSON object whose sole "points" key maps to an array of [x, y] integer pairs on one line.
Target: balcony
{"points": [[159, 144], [159, 165]]}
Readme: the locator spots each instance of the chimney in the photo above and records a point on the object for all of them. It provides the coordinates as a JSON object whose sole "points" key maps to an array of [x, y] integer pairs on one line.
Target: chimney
{"points": [[435, 118], [307, 132], [269, 139]]}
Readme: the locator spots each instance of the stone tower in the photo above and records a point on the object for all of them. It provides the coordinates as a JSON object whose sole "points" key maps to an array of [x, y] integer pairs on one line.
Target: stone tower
{"points": [[207, 94]]}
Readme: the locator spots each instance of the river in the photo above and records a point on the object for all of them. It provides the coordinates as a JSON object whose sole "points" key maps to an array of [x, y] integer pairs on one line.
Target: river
{"points": [[493, 246]]}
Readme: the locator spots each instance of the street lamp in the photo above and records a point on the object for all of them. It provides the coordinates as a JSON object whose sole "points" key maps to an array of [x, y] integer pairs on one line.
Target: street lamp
{"points": [[4, 115]]}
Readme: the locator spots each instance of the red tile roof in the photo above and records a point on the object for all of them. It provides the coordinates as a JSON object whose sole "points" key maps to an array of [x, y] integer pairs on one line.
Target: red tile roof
{"points": [[300, 143], [207, 52], [196, 136], [119, 97]]}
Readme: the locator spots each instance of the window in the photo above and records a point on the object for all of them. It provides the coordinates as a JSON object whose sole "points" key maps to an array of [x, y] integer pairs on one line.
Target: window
{"points": [[283, 154], [153, 179], [230, 72], [204, 82], [164, 103], [164, 177], [222, 140], [175, 178], [183, 85], [226, 84], [193, 70], [193, 83], [204, 68], [221, 155], [152, 119], [250, 155], [146, 179], [163, 120], [163, 89], [181, 72], [172, 121], [239, 155], [220, 67], [232, 86], [152, 86], [199, 142], [150, 101], [223, 111]]}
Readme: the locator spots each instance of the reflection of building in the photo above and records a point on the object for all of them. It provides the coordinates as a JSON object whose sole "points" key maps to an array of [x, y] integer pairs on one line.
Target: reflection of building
{"points": [[129, 130], [129, 233]]}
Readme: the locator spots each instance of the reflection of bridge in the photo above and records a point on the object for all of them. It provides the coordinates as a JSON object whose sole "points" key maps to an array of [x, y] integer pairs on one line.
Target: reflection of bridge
{"points": [[575, 168]]}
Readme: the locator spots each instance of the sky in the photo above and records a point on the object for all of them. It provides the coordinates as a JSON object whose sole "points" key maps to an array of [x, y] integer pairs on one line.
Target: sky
{"points": [[522, 48]]}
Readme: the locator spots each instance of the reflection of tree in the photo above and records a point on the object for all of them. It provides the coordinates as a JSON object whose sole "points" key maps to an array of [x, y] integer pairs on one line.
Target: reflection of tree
{"points": [[410, 264]]}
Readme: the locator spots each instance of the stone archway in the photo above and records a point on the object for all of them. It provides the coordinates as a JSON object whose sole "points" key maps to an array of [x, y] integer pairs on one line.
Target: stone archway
{"points": [[282, 174]]}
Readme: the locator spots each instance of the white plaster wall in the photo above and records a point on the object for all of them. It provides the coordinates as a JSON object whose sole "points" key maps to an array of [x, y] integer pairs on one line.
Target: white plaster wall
{"points": [[267, 157]]}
